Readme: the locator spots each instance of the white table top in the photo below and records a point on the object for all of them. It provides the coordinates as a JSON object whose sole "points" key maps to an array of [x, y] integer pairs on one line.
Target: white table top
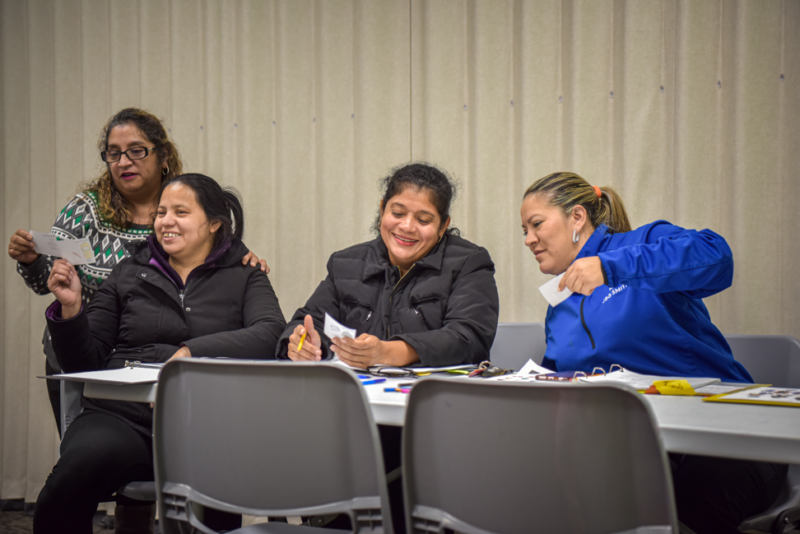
{"points": [[687, 424]]}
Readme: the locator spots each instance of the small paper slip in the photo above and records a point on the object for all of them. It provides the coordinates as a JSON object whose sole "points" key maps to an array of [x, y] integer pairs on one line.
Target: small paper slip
{"points": [[551, 293], [531, 368], [334, 328], [526, 374], [75, 251]]}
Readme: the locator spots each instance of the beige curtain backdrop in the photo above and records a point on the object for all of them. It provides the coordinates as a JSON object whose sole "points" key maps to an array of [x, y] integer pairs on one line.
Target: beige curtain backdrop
{"points": [[691, 109]]}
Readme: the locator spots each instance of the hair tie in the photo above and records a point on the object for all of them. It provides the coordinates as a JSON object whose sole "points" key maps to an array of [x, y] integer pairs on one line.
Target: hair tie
{"points": [[597, 191]]}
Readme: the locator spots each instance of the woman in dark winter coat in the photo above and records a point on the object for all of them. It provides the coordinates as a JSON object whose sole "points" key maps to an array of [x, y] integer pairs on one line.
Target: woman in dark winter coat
{"points": [[418, 294], [183, 293]]}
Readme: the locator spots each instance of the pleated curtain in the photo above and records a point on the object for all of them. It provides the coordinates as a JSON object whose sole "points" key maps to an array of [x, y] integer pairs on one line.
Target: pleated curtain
{"points": [[689, 108]]}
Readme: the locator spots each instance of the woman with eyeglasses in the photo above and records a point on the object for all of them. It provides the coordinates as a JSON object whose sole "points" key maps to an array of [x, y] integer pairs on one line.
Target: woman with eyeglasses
{"points": [[417, 295], [637, 301], [183, 293], [115, 211]]}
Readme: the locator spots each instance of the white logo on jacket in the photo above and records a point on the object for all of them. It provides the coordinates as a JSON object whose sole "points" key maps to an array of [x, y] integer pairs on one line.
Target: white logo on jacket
{"points": [[613, 292]]}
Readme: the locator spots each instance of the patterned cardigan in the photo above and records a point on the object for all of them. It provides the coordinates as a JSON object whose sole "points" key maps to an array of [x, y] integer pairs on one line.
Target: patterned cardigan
{"points": [[111, 244]]}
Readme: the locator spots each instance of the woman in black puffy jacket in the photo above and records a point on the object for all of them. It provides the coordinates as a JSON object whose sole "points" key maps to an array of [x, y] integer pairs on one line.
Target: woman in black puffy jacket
{"points": [[183, 293], [418, 294]]}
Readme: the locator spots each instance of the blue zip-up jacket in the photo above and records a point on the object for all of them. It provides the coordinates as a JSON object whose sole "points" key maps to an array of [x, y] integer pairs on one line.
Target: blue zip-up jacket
{"points": [[650, 317]]}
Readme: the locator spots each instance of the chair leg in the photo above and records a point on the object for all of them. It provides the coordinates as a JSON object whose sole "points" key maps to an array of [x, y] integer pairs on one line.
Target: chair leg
{"points": [[134, 519], [787, 521]]}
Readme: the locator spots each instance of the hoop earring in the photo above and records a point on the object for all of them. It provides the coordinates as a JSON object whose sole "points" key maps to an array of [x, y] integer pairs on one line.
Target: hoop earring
{"points": [[575, 235], [165, 170]]}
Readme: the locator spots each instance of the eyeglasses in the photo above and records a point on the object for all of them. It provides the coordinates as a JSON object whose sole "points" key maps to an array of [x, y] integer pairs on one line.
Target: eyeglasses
{"points": [[137, 152]]}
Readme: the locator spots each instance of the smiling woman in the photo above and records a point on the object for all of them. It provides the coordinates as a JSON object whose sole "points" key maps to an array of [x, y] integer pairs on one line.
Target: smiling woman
{"points": [[115, 212], [418, 294], [638, 302], [183, 293]]}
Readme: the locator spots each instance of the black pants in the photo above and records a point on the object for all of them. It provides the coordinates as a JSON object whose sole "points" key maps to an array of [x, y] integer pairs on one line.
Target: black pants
{"points": [[54, 393], [99, 453], [714, 495]]}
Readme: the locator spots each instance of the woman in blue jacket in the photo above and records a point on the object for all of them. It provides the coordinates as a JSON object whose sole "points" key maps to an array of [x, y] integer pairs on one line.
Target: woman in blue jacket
{"points": [[637, 302]]}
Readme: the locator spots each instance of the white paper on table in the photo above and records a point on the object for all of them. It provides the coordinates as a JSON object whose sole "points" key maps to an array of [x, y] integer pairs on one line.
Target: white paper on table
{"points": [[528, 373], [75, 251], [639, 382], [551, 293], [334, 328], [531, 368], [124, 375]]}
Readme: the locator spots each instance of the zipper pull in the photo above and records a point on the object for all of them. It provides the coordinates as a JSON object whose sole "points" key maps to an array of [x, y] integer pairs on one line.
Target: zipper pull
{"points": [[368, 315], [415, 311]]}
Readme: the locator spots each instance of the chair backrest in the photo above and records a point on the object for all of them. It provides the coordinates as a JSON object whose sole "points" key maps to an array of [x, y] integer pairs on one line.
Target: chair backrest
{"points": [[516, 343], [266, 438], [489, 457], [769, 359]]}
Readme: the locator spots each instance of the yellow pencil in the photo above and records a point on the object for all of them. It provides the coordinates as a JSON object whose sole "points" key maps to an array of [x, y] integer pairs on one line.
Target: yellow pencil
{"points": [[300, 345]]}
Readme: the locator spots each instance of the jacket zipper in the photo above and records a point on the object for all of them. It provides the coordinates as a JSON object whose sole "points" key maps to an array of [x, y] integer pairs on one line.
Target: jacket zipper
{"points": [[388, 334], [585, 327]]}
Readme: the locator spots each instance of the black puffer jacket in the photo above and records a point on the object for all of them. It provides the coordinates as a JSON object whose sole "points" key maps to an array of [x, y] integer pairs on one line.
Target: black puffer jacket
{"points": [[446, 306], [139, 313]]}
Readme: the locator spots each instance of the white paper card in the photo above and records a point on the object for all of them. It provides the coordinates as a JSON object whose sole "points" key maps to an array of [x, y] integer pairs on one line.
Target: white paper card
{"points": [[334, 328], [75, 251], [551, 293], [531, 368]]}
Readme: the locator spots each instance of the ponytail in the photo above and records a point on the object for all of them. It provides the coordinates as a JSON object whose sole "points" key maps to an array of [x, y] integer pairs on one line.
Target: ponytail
{"points": [[567, 190], [236, 210]]}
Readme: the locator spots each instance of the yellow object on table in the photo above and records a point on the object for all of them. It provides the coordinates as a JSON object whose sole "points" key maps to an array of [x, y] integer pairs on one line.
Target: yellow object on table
{"points": [[673, 387]]}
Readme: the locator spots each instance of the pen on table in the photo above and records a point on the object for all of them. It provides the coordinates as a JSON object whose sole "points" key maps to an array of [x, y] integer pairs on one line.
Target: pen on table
{"points": [[397, 390], [300, 345], [373, 381]]}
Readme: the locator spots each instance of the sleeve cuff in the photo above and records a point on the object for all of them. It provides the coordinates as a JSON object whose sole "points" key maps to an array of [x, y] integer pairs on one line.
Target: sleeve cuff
{"points": [[53, 313]]}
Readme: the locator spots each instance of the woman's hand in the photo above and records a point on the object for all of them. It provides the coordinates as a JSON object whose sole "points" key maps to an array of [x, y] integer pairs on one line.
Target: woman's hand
{"points": [[20, 247], [182, 352], [253, 260], [367, 350], [583, 276], [66, 287], [310, 351]]}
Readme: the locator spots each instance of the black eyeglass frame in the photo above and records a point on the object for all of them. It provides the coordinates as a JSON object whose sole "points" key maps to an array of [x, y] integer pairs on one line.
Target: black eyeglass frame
{"points": [[147, 152]]}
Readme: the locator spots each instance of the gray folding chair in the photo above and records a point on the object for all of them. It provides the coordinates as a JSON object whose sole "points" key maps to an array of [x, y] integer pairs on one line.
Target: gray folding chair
{"points": [[269, 439], [772, 360], [481, 457], [516, 343]]}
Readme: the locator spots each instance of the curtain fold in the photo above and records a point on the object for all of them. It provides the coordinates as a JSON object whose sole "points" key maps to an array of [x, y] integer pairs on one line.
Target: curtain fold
{"points": [[690, 109]]}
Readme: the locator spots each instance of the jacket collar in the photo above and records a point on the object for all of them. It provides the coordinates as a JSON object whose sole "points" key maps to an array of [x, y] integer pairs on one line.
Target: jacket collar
{"points": [[223, 255], [594, 244], [378, 258]]}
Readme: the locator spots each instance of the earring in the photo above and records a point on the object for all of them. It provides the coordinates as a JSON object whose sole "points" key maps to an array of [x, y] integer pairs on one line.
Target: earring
{"points": [[575, 235], [165, 170]]}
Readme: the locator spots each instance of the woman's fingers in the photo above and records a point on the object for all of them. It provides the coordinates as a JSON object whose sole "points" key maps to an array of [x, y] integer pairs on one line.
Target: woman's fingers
{"points": [[309, 351], [583, 276], [313, 335], [254, 261], [20, 247]]}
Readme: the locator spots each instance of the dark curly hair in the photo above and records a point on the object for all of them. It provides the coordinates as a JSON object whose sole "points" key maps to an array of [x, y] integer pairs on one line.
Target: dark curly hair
{"points": [[421, 176], [112, 205]]}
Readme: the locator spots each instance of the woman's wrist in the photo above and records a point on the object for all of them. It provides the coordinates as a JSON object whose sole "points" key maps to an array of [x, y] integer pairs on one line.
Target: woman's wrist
{"points": [[70, 311], [398, 353]]}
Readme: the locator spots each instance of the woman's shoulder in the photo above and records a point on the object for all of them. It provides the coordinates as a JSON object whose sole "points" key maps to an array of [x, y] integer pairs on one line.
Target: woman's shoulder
{"points": [[459, 248], [648, 233]]}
